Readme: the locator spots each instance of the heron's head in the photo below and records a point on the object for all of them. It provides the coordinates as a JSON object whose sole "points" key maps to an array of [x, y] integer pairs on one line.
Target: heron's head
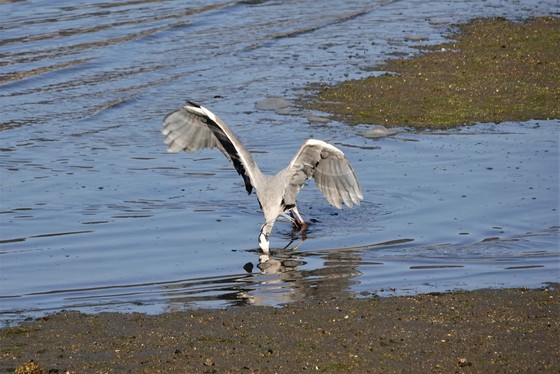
{"points": [[264, 243]]}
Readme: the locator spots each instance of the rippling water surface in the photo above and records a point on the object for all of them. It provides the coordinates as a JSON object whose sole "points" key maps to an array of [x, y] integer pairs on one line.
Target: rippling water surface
{"points": [[96, 216]]}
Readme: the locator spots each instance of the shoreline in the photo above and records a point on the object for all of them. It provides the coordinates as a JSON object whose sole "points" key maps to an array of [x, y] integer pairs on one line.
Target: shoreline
{"points": [[513, 330], [491, 70]]}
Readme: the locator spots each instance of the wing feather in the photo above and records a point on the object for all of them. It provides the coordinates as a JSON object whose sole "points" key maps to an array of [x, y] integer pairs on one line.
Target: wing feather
{"points": [[342, 184], [331, 170], [184, 131], [194, 127]]}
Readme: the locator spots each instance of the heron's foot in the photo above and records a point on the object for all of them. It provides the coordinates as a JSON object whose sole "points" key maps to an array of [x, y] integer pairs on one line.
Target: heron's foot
{"points": [[299, 226], [297, 222], [302, 226], [303, 231]]}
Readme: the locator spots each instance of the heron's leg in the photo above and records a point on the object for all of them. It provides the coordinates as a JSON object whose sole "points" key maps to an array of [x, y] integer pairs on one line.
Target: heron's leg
{"points": [[296, 247], [290, 218], [299, 222]]}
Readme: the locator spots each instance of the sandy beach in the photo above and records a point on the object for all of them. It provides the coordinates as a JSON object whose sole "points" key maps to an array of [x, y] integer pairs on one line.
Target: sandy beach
{"points": [[514, 331]]}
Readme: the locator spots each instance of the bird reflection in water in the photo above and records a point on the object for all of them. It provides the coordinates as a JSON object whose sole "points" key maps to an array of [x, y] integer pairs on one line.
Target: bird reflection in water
{"points": [[284, 277]]}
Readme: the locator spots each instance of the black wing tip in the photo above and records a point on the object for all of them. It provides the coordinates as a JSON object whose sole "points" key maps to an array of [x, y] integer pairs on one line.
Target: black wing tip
{"points": [[192, 103]]}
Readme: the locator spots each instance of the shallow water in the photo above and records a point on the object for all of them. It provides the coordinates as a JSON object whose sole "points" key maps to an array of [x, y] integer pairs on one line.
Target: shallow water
{"points": [[96, 216]]}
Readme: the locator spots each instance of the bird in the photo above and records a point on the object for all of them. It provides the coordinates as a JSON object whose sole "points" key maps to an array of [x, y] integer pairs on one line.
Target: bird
{"points": [[193, 127]]}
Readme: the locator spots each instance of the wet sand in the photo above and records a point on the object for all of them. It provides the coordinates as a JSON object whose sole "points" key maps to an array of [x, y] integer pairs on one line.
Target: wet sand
{"points": [[512, 330], [494, 70]]}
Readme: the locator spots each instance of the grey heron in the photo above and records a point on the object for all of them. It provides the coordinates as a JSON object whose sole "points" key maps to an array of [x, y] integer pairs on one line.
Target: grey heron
{"points": [[193, 127]]}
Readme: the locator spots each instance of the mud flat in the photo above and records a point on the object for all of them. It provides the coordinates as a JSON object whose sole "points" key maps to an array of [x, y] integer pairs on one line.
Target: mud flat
{"points": [[512, 330], [494, 70]]}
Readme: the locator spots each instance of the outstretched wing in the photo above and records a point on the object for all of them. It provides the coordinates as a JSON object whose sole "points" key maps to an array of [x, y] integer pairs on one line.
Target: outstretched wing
{"points": [[331, 170], [194, 127]]}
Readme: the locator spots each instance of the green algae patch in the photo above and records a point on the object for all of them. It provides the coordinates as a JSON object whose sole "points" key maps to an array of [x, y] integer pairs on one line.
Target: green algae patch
{"points": [[494, 70]]}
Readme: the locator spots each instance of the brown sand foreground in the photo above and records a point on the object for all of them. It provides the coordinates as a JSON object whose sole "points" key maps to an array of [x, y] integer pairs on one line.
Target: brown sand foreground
{"points": [[514, 330]]}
